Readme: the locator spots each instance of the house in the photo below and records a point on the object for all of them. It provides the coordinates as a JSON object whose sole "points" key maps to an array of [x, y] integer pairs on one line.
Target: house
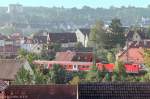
{"points": [[75, 56], [31, 44], [16, 37], [34, 43], [10, 67], [65, 39], [83, 36], [133, 52], [131, 55], [136, 35], [7, 47]]}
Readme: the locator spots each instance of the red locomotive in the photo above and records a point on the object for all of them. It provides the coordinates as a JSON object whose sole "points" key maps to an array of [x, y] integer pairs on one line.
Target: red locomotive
{"points": [[86, 66]]}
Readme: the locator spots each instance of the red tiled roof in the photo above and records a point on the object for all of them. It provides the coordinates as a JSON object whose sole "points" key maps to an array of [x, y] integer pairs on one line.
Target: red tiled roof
{"points": [[74, 56], [64, 56], [135, 55]]}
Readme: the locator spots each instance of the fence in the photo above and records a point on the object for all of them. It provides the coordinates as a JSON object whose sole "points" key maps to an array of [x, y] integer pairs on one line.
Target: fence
{"points": [[41, 92], [120, 90], [116, 90]]}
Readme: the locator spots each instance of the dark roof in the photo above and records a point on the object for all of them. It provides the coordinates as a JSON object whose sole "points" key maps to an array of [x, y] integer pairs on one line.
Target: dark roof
{"points": [[9, 68], [3, 37], [135, 44], [85, 31], [40, 39], [142, 35], [62, 37], [130, 34]]}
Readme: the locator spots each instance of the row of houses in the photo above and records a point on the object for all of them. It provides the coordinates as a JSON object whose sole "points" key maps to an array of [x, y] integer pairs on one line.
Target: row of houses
{"points": [[132, 52], [34, 43]]}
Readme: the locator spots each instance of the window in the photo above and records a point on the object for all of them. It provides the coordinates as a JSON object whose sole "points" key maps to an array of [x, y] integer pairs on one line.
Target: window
{"points": [[75, 66]]}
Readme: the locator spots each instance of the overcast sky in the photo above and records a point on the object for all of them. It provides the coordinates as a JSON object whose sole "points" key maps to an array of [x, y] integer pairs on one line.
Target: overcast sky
{"points": [[78, 3]]}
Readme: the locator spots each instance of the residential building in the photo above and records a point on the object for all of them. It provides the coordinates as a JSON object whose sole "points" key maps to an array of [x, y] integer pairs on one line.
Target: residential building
{"points": [[64, 39], [8, 47], [131, 55], [75, 56], [10, 67], [83, 36]]}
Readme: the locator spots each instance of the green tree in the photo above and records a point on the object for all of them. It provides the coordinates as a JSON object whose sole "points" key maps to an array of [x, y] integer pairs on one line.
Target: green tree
{"points": [[107, 77], [57, 74], [115, 76], [23, 77], [110, 57], [22, 53], [147, 64], [94, 75], [147, 58], [31, 57], [117, 36], [75, 80], [97, 35], [40, 78], [120, 68]]}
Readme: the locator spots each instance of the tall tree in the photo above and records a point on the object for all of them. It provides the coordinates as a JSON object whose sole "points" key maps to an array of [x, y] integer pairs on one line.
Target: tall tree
{"points": [[120, 68], [117, 36], [98, 39], [23, 77], [110, 57], [94, 75], [97, 35]]}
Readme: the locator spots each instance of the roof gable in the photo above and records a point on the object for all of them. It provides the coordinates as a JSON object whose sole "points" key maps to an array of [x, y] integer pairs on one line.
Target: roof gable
{"points": [[62, 37], [85, 31]]}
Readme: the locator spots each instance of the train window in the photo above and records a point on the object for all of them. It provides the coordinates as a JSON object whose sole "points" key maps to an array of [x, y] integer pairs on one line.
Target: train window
{"points": [[75, 66], [65, 66], [134, 65], [69, 66]]}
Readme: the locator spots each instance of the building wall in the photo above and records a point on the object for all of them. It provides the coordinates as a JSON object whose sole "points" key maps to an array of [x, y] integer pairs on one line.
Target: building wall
{"points": [[35, 48], [136, 37], [71, 44], [80, 37]]}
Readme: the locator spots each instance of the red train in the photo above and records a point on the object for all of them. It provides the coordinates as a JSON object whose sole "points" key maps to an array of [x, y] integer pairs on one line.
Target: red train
{"points": [[86, 66]]}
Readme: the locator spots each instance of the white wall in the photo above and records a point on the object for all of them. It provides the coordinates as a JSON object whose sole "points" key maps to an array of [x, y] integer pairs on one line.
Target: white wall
{"points": [[80, 37]]}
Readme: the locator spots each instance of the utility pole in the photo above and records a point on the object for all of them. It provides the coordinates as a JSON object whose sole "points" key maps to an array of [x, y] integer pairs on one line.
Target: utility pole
{"points": [[94, 53], [127, 50]]}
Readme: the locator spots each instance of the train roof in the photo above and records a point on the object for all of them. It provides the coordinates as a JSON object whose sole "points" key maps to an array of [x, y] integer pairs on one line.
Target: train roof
{"points": [[62, 62]]}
